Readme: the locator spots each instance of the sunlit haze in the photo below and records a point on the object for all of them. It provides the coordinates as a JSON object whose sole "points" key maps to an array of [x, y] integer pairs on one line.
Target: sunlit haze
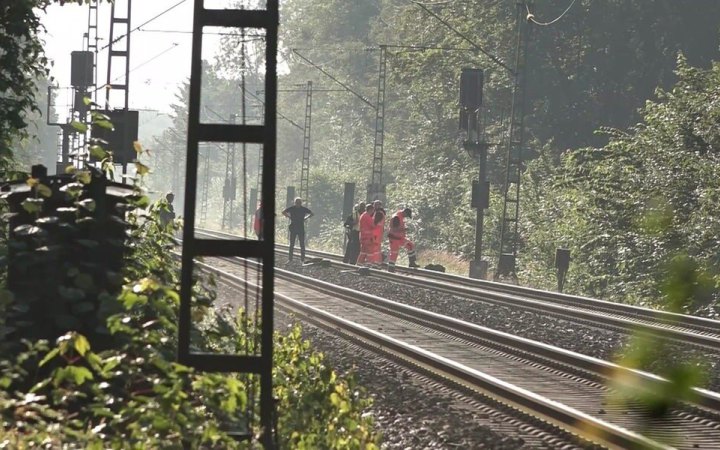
{"points": [[159, 53]]}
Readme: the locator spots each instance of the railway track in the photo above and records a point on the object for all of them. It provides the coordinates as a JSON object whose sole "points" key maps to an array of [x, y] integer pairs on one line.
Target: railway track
{"points": [[560, 387], [679, 328]]}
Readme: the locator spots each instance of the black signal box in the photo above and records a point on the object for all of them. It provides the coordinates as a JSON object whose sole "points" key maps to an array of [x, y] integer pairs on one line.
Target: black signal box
{"points": [[121, 139], [471, 89], [81, 69]]}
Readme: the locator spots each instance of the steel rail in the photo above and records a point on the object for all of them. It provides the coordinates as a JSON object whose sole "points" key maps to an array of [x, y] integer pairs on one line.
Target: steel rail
{"points": [[675, 327], [688, 321], [518, 397], [559, 414]]}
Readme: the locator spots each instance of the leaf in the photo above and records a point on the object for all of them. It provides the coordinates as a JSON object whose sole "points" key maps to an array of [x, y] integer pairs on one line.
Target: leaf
{"points": [[81, 127], [72, 188], [83, 176], [43, 190], [32, 182], [129, 298], [80, 374], [141, 168], [6, 297], [51, 354], [95, 115], [98, 152], [84, 281], [88, 204], [29, 230], [32, 205], [104, 124], [146, 284], [335, 399], [142, 201], [138, 147], [81, 344]]}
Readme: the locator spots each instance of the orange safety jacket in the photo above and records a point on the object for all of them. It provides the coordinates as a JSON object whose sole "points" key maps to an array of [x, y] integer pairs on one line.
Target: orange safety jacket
{"points": [[367, 227], [397, 226], [379, 220]]}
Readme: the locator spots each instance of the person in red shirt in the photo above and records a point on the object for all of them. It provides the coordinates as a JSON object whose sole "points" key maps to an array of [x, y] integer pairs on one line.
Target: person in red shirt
{"points": [[367, 235], [258, 222], [398, 238]]}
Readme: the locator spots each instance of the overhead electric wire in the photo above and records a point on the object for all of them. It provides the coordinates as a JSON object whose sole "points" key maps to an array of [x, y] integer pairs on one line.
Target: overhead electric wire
{"points": [[252, 37], [327, 74], [494, 58], [422, 48], [144, 23], [531, 16], [172, 47], [435, 3], [277, 112]]}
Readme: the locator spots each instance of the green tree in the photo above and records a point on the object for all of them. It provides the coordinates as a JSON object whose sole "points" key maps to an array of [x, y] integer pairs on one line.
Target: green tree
{"points": [[585, 72], [628, 208]]}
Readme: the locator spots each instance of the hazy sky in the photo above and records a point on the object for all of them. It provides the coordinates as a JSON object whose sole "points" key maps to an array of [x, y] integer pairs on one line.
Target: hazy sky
{"points": [[159, 60]]}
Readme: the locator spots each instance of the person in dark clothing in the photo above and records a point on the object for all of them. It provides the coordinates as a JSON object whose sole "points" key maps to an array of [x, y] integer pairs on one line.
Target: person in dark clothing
{"points": [[352, 228], [167, 212], [297, 214]]}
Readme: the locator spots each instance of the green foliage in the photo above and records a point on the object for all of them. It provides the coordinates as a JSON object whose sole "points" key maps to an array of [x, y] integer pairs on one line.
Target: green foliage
{"points": [[132, 395], [322, 409], [684, 283], [110, 380], [593, 68], [639, 209], [21, 63]]}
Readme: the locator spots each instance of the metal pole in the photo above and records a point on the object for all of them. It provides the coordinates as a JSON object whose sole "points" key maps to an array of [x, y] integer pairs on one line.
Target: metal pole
{"points": [[478, 267], [66, 130]]}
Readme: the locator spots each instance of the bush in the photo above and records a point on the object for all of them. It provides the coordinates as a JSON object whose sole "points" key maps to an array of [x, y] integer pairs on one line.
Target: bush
{"points": [[131, 394]]}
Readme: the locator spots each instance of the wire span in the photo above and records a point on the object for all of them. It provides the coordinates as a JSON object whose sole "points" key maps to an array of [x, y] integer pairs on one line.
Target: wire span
{"points": [[531, 16], [144, 23]]}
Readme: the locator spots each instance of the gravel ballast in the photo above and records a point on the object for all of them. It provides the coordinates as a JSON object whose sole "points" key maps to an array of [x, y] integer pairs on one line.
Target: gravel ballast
{"points": [[412, 416], [415, 412], [581, 338]]}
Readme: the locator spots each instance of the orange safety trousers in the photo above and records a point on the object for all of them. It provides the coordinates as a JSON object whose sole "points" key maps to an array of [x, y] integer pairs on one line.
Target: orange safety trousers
{"points": [[396, 244], [369, 251]]}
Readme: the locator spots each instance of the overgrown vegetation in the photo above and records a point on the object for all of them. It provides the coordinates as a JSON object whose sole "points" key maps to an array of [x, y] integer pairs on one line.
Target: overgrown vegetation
{"points": [[87, 353], [129, 393], [629, 209]]}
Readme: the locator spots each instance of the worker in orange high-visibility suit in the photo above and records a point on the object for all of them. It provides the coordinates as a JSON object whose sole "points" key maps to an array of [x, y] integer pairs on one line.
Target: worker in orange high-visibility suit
{"points": [[376, 257], [398, 238], [367, 235]]}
